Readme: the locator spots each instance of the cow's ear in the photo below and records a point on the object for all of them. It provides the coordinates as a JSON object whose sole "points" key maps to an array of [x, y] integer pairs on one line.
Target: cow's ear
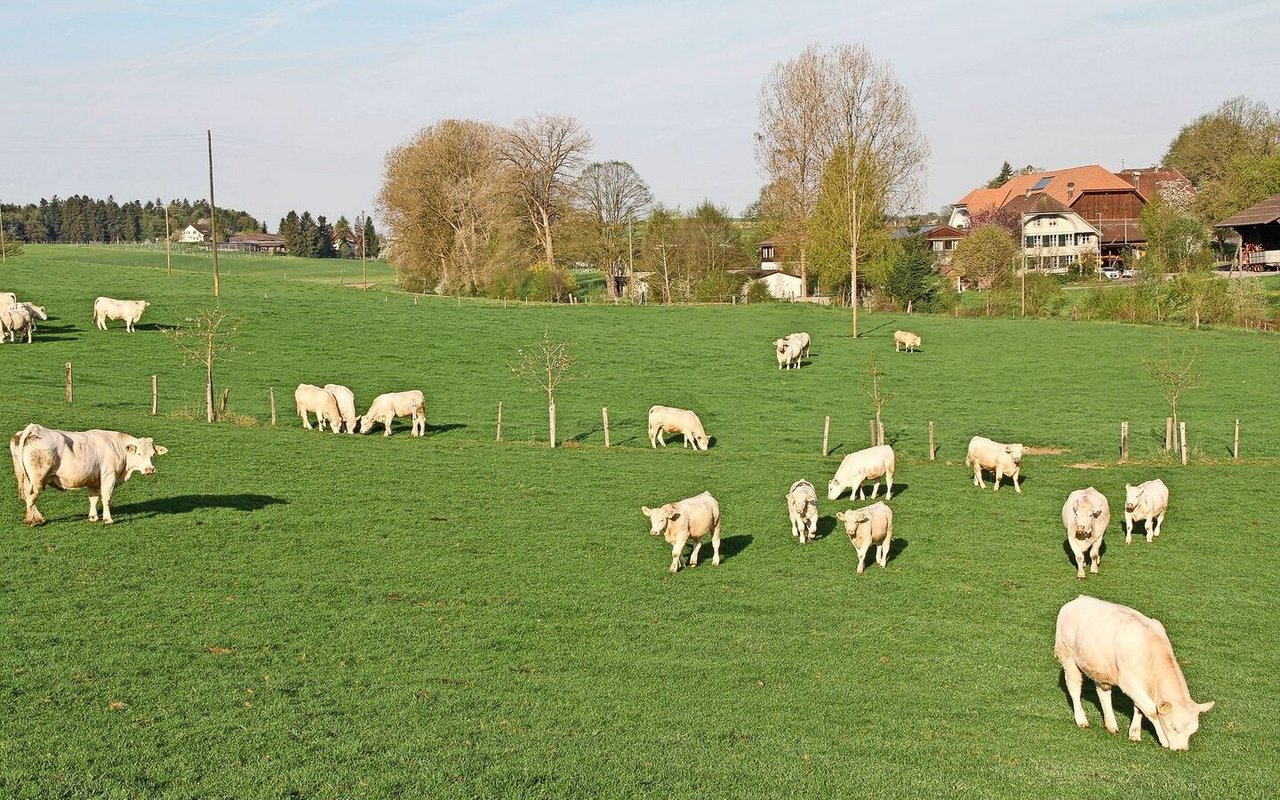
{"points": [[161, 449], [130, 448], [1128, 487], [1203, 707], [840, 516], [674, 515], [645, 510], [1163, 708]]}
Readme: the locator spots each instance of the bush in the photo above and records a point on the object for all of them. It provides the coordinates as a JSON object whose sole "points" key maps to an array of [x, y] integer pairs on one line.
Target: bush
{"points": [[718, 287], [757, 292]]}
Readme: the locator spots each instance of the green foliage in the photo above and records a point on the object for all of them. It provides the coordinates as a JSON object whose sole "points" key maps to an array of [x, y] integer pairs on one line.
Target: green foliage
{"points": [[830, 232], [912, 278], [82, 219], [1176, 241], [551, 284], [985, 258], [1043, 294], [757, 292], [1005, 174], [718, 287]]}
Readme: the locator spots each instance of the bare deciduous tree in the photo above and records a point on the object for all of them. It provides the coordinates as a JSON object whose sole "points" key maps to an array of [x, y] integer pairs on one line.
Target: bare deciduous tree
{"points": [[545, 365], [873, 385], [613, 196], [1173, 374], [206, 336], [544, 155]]}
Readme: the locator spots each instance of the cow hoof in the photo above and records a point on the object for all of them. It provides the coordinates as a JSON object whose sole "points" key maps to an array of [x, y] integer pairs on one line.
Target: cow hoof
{"points": [[108, 522], [1135, 737], [715, 562], [1113, 730], [1082, 724], [1080, 576]]}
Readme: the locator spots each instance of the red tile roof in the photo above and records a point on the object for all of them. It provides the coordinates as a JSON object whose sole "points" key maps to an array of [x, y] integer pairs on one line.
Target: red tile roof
{"points": [[1063, 185]]}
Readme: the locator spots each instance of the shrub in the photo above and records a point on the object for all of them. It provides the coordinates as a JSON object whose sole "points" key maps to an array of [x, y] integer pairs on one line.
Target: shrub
{"points": [[718, 287], [757, 292]]}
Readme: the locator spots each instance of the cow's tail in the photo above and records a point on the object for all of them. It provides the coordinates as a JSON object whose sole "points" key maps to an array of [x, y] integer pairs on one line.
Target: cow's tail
{"points": [[19, 444]]}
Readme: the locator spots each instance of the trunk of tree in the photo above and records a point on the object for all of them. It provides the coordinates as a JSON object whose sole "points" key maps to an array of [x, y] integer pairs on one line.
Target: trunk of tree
{"points": [[208, 394], [551, 418], [547, 245], [804, 275]]}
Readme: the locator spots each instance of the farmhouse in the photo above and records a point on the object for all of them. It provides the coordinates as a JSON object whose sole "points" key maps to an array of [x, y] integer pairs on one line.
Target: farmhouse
{"points": [[272, 243], [1259, 229], [1054, 238], [195, 233], [779, 282]]}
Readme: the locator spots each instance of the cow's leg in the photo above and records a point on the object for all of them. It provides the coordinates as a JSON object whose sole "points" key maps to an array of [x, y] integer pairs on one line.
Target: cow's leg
{"points": [[862, 556], [93, 504], [1074, 679], [1095, 556], [875, 489], [1017, 485], [677, 547], [977, 476], [1108, 713], [857, 492], [38, 471], [306, 418], [715, 544], [882, 553], [108, 483], [1153, 532], [1079, 551], [796, 530], [999, 478], [386, 426], [693, 556], [888, 493], [1128, 528], [1143, 704], [662, 436], [1135, 727]]}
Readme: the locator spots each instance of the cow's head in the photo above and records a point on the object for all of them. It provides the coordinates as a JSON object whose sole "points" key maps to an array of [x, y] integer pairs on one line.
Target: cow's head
{"points": [[798, 502], [146, 304], [1014, 451], [834, 488], [1132, 496], [364, 424], [1179, 721], [1084, 513], [37, 310], [701, 441], [138, 454], [852, 519], [659, 518]]}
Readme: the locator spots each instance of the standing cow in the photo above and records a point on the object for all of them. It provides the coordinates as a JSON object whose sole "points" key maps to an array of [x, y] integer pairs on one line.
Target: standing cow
{"points": [[20, 318], [802, 507], [1002, 459], [906, 340], [95, 460], [788, 354], [1115, 645], [866, 526], [864, 465], [801, 341], [310, 399], [665, 419], [105, 308], [1085, 515], [1147, 501], [346, 400], [684, 520], [386, 407]]}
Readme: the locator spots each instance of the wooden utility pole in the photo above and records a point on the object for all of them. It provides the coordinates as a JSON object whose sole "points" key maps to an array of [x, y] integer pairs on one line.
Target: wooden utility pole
{"points": [[168, 263], [853, 256], [4, 255], [364, 268], [213, 230]]}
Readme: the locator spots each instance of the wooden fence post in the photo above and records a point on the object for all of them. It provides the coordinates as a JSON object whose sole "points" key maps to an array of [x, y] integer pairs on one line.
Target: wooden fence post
{"points": [[551, 416], [826, 435], [499, 436], [272, 394], [933, 451], [879, 433], [1124, 440], [1235, 444], [1168, 434], [604, 414], [153, 395], [1182, 430], [222, 409], [871, 426], [68, 381]]}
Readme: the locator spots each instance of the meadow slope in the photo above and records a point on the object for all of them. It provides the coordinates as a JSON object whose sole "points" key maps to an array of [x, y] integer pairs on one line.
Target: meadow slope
{"points": [[284, 613]]}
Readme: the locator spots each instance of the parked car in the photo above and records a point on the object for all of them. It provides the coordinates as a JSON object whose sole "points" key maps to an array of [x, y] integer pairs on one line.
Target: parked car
{"points": [[1110, 273]]}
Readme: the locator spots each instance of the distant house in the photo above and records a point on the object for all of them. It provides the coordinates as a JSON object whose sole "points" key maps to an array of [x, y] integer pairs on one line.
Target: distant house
{"points": [[272, 243], [196, 233], [779, 283], [769, 254], [1054, 237], [1259, 230], [941, 240]]}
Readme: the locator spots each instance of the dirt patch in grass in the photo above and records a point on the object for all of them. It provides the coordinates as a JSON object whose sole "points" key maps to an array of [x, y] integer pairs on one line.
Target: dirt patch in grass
{"points": [[1044, 451], [1088, 465]]}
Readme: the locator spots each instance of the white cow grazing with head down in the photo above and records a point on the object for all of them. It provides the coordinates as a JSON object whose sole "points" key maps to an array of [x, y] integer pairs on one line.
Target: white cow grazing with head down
{"points": [[310, 399], [32, 312], [684, 520], [14, 320], [906, 340], [95, 460], [1085, 515], [386, 407], [801, 341], [864, 465], [665, 419], [1114, 645], [105, 308], [1146, 501], [802, 507], [788, 354], [866, 526], [1002, 459], [8, 298], [346, 400]]}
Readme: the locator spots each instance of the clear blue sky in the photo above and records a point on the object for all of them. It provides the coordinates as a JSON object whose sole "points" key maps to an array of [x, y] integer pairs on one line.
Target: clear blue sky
{"points": [[305, 97]]}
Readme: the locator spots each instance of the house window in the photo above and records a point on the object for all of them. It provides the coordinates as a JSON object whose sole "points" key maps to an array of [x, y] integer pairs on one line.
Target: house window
{"points": [[1043, 182], [1068, 260], [937, 246], [766, 253], [1064, 239], [1032, 241]]}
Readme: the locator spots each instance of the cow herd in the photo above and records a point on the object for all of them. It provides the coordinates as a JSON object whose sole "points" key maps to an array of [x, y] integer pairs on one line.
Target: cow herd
{"points": [[335, 405], [1111, 644], [18, 318]]}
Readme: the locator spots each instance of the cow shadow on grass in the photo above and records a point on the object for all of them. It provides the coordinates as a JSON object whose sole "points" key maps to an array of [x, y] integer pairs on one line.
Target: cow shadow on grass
{"points": [[1071, 556], [730, 546], [1120, 703], [186, 503], [436, 430], [826, 527]]}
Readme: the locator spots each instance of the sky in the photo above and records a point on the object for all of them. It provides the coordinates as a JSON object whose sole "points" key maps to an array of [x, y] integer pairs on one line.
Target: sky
{"points": [[305, 97]]}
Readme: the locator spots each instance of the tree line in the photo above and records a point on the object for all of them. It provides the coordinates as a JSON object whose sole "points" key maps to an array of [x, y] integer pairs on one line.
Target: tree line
{"points": [[82, 219], [314, 237]]}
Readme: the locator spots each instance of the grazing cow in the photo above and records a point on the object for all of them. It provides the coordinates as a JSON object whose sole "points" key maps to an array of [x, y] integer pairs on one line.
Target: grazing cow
{"points": [[801, 341], [788, 354], [1085, 516], [864, 465], [7, 299], [13, 320], [386, 407], [310, 399], [691, 518], [33, 313], [665, 419], [869, 525], [1115, 645], [346, 400], [802, 506], [1002, 459], [1146, 501], [104, 308], [906, 340], [94, 460]]}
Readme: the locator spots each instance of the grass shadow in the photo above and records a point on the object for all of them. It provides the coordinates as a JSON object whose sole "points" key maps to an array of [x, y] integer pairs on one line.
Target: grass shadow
{"points": [[436, 430], [1071, 556], [826, 527], [185, 504], [1120, 703], [896, 547], [730, 546]]}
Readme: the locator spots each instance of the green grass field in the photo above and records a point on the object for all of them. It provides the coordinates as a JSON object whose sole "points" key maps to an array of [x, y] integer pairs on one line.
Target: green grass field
{"points": [[285, 613]]}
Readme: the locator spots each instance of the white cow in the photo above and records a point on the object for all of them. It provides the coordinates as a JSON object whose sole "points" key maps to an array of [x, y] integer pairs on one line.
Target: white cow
{"points": [[788, 354], [1147, 501], [14, 320], [864, 465], [386, 407], [104, 308], [691, 518], [95, 460], [906, 340], [801, 340], [1002, 459], [802, 506], [869, 525], [346, 400], [7, 299], [665, 419], [1115, 645], [1085, 515], [309, 399]]}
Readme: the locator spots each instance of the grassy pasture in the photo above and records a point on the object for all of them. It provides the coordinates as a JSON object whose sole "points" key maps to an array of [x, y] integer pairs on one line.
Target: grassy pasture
{"points": [[283, 613]]}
